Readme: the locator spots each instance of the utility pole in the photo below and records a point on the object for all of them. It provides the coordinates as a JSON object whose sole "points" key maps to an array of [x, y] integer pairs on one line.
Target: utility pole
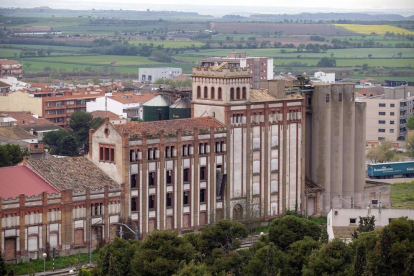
{"points": [[90, 238]]}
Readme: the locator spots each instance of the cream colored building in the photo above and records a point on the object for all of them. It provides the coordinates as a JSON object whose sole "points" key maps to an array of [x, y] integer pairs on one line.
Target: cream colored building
{"points": [[387, 114], [21, 101]]}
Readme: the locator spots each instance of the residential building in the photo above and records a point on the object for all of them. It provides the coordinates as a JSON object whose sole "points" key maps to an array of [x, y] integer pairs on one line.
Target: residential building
{"points": [[14, 84], [125, 105], [10, 68], [261, 68], [21, 101], [151, 75], [342, 222], [59, 109], [46, 204], [387, 114]]}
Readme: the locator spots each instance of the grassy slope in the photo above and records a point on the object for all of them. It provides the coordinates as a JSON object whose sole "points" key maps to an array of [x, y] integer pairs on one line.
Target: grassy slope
{"points": [[402, 195]]}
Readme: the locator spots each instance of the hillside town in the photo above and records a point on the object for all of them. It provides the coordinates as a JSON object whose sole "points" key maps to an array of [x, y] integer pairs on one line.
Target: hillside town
{"points": [[231, 168]]}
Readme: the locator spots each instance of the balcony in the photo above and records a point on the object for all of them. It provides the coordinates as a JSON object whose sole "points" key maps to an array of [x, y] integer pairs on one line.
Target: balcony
{"points": [[404, 116], [402, 108], [403, 132]]}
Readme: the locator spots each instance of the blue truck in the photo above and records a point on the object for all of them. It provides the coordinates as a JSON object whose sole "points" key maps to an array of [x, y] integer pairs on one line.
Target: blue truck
{"points": [[389, 170]]}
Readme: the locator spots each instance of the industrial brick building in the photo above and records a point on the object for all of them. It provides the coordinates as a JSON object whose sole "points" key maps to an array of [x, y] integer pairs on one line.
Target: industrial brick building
{"points": [[55, 203], [239, 156]]}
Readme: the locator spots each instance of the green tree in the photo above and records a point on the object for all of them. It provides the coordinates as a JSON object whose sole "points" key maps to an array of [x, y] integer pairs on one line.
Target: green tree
{"points": [[115, 258], [268, 260], [384, 265], [96, 122], [381, 153], [370, 56], [299, 253], [193, 269], [79, 123], [28, 64], [53, 138], [68, 146], [161, 254], [365, 66], [326, 62], [366, 224], [334, 258], [288, 229], [410, 123], [11, 155], [5, 268], [224, 234], [96, 80], [409, 267], [360, 260], [399, 54]]}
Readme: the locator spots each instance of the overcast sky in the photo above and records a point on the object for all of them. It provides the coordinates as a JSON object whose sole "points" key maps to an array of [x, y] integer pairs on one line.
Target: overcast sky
{"points": [[275, 6]]}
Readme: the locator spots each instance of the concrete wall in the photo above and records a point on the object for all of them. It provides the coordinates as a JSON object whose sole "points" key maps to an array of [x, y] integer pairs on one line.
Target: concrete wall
{"points": [[21, 101], [158, 73], [112, 106]]}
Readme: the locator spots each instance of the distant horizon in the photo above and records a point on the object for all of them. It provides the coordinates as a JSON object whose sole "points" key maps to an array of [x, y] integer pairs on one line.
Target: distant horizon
{"points": [[215, 9]]}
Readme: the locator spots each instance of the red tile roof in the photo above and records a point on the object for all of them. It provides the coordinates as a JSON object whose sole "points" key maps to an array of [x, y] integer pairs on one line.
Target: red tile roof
{"points": [[134, 98], [168, 126], [8, 61], [21, 180], [24, 118], [105, 114]]}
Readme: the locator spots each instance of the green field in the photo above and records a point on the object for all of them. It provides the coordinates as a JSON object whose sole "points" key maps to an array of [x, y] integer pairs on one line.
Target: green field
{"points": [[402, 195], [170, 44]]}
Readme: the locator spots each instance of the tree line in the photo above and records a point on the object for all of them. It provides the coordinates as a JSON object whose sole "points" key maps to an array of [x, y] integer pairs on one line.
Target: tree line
{"points": [[294, 246]]}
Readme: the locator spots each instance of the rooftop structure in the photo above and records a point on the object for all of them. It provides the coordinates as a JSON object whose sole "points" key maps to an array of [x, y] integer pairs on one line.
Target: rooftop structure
{"points": [[151, 75]]}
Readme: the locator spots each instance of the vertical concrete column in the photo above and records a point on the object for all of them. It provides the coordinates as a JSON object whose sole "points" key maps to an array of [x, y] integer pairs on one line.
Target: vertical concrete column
{"points": [[144, 187], [349, 144], [22, 236], [302, 157], [249, 156], [211, 183], [321, 141], [229, 157], [91, 132], [195, 187], [126, 167], [178, 200], [161, 188], [337, 133], [44, 220], [360, 148], [67, 219], [284, 185], [106, 215], [266, 166]]}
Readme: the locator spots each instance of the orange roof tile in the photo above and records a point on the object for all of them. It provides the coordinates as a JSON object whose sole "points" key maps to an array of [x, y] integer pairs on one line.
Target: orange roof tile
{"points": [[134, 98], [168, 126], [105, 114]]}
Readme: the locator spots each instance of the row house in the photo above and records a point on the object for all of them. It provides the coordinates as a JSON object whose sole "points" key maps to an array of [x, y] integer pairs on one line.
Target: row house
{"points": [[45, 205], [10, 68]]}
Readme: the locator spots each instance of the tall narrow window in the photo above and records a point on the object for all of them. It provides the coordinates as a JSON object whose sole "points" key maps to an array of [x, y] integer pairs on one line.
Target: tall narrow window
{"points": [[186, 198], [238, 93], [244, 94], [134, 204], [112, 155], [203, 195], [205, 92], [151, 202], [151, 178], [198, 92], [169, 177], [213, 94], [186, 175], [203, 173], [133, 181], [232, 93], [219, 94], [327, 98], [169, 199]]}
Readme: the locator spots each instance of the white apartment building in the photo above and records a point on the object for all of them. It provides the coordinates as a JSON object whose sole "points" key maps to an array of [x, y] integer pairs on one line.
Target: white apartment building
{"points": [[386, 115], [153, 74], [128, 106]]}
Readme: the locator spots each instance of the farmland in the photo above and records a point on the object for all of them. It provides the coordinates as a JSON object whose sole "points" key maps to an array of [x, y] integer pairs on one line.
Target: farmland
{"points": [[402, 195], [377, 29]]}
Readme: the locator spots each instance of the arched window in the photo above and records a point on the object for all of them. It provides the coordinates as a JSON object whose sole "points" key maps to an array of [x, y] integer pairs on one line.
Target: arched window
{"points": [[232, 93], [205, 92], [219, 96], [237, 212], [238, 93], [244, 94], [213, 94], [198, 92]]}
